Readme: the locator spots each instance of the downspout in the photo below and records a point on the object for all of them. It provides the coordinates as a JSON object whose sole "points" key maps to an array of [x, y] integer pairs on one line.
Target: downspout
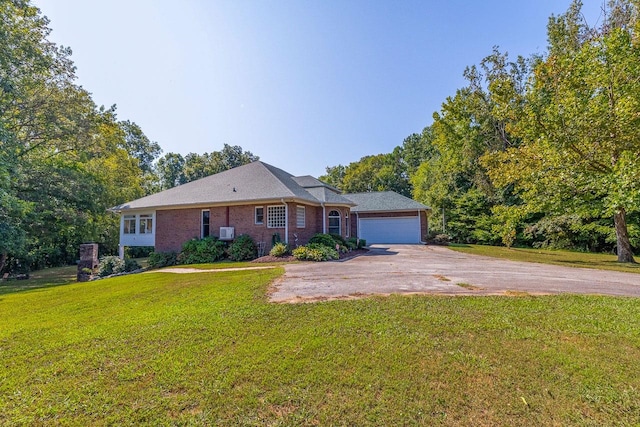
{"points": [[286, 222], [324, 219]]}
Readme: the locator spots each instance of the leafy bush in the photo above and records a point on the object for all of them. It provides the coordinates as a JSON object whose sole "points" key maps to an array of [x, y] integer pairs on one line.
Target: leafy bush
{"points": [[315, 252], [110, 265], [441, 239], [137, 251], [352, 243], [162, 259], [279, 250], [323, 239], [338, 239], [131, 265], [243, 248], [200, 251], [113, 265]]}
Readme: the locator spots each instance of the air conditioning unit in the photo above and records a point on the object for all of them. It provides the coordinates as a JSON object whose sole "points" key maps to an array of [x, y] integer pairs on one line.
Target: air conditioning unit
{"points": [[226, 233]]}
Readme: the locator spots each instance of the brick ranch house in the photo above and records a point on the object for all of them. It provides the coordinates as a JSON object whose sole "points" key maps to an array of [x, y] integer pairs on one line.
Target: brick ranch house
{"points": [[261, 200]]}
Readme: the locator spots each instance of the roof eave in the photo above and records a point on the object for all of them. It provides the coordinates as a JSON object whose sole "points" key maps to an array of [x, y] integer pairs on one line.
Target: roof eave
{"points": [[289, 199], [426, 208]]}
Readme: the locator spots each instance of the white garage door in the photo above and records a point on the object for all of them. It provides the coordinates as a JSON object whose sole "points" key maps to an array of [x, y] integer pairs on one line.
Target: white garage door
{"points": [[390, 230]]}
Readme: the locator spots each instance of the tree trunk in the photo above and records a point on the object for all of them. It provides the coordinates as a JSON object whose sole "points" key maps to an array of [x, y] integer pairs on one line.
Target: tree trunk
{"points": [[3, 259], [625, 254]]}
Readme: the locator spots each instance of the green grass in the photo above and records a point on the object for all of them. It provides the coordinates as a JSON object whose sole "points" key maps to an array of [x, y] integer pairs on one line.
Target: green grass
{"points": [[208, 349], [45, 278], [548, 256]]}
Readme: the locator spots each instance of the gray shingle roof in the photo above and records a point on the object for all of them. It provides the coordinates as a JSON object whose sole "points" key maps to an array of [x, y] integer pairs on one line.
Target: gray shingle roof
{"points": [[325, 195], [307, 181], [259, 181], [382, 201], [243, 184]]}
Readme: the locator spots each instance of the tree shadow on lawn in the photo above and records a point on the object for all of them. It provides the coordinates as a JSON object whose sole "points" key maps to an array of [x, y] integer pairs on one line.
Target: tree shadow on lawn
{"points": [[46, 278], [15, 286]]}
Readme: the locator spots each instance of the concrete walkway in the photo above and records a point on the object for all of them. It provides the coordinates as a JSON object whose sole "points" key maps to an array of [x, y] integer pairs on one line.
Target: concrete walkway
{"points": [[438, 270]]}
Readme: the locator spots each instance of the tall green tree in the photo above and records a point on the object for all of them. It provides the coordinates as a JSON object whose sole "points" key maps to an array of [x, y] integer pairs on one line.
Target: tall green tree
{"points": [[580, 124], [173, 169], [468, 126], [170, 170], [382, 172], [63, 161]]}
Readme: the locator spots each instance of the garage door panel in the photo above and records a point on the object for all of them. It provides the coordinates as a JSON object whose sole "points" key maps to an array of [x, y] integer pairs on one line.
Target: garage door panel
{"points": [[390, 230]]}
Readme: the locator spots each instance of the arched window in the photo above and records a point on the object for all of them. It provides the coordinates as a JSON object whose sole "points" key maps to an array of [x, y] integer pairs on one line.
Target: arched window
{"points": [[334, 222]]}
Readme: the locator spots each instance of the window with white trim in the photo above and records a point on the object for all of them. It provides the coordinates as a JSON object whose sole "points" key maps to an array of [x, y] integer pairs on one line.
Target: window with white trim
{"points": [[334, 222], [259, 215], [129, 224], [276, 216], [146, 224], [300, 216]]}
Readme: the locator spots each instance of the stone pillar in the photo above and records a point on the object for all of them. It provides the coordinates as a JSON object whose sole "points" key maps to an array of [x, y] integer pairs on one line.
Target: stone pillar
{"points": [[88, 261]]}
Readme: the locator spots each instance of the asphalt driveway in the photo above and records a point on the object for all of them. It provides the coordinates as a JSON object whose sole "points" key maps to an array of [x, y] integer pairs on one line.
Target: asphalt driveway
{"points": [[437, 270]]}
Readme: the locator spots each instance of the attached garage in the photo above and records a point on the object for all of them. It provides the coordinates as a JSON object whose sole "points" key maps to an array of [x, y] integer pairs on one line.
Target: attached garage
{"points": [[388, 217], [390, 230]]}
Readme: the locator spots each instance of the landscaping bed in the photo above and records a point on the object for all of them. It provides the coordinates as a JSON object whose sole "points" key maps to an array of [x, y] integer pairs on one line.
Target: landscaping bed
{"points": [[290, 258]]}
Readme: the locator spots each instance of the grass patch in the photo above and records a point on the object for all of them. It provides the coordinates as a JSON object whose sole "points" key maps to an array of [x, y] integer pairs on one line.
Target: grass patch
{"points": [[469, 286], [196, 349], [44, 278], [227, 264], [548, 256]]}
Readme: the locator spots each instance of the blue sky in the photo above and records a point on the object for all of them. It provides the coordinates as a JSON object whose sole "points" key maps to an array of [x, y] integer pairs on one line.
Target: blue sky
{"points": [[302, 84]]}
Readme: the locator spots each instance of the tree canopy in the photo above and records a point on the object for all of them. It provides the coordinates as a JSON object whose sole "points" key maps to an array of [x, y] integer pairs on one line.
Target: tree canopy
{"points": [[63, 160], [540, 151]]}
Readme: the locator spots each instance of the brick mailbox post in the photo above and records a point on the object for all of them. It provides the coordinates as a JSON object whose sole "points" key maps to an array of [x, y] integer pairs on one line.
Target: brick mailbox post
{"points": [[88, 261]]}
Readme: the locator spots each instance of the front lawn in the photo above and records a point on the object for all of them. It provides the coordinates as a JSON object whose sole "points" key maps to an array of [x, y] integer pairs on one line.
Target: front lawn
{"points": [[551, 256], [208, 349]]}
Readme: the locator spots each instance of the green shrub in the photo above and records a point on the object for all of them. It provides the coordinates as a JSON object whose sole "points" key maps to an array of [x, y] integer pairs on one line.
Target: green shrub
{"points": [[352, 243], [279, 250], [315, 252], [323, 239], [131, 265], [137, 251], [243, 248], [200, 251], [162, 259], [338, 239], [110, 265], [442, 239], [355, 243]]}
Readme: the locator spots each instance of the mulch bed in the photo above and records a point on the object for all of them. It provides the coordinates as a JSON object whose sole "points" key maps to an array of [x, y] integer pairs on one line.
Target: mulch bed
{"points": [[290, 258]]}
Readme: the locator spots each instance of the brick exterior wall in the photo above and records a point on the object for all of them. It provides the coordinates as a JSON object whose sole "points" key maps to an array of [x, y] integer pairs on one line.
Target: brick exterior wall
{"points": [[176, 226]]}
